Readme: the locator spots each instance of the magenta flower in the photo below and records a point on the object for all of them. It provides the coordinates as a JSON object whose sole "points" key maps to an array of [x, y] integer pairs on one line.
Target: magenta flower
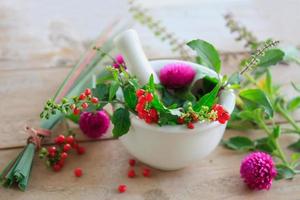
{"points": [[119, 61], [176, 75], [94, 124], [258, 170]]}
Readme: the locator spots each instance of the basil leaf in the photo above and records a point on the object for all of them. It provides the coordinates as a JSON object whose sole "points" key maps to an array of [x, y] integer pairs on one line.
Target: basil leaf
{"points": [[207, 54], [271, 57], [208, 99], [239, 143], [121, 122], [258, 98]]}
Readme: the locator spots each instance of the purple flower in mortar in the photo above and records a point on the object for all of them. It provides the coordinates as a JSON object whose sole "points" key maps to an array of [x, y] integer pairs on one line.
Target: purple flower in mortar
{"points": [[119, 61], [258, 170], [176, 75], [94, 124]]}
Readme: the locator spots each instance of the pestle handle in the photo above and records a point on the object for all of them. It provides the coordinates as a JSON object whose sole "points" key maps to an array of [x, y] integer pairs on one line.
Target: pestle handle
{"points": [[129, 45]]}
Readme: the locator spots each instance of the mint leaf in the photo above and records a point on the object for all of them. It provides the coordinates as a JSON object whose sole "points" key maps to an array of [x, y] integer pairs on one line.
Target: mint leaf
{"points": [[271, 57], [208, 99], [293, 104], [239, 143], [121, 122], [129, 96], [207, 54], [258, 99]]}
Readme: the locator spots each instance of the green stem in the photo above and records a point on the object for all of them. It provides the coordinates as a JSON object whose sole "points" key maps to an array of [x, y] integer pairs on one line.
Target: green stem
{"points": [[285, 115]]}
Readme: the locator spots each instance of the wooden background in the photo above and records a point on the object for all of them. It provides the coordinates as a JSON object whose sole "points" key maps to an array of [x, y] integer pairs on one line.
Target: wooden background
{"points": [[40, 40]]}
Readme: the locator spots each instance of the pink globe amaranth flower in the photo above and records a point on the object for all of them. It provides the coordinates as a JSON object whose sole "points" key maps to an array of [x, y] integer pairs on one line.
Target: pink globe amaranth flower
{"points": [[119, 61], [94, 124], [176, 75], [258, 170]]}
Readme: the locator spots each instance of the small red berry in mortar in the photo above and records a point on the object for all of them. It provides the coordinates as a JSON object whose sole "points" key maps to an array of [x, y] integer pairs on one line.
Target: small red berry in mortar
{"points": [[131, 162], [122, 188], [146, 172], [76, 111], [70, 139], [60, 139], [67, 147], [82, 96], [85, 105], [140, 92], [87, 91], [180, 120], [149, 97], [94, 100], [78, 172], [131, 173], [80, 150], [63, 155], [190, 125]]}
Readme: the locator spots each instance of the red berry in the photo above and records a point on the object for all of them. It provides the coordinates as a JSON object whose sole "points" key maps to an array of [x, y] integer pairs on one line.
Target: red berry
{"points": [[142, 100], [87, 91], [63, 155], [82, 96], [70, 139], [76, 111], [78, 172], [153, 114], [131, 173], [80, 150], [139, 107], [61, 163], [52, 149], [122, 188], [180, 120], [226, 115], [190, 125], [85, 105], [52, 154], [72, 106], [131, 162], [56, 167], [146, 172], [218, 108], [75, 146], [60, 139], [67, 147], [149, 97], [140, 92], [148, 119], [94, 100]]}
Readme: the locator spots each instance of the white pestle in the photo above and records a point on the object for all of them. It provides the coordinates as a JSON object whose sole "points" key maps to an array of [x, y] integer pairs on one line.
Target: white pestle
{"points": [[129, 45]]}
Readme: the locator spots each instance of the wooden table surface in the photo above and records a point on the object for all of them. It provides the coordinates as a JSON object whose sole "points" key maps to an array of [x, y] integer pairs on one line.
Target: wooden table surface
{"points": [[40, 40]]}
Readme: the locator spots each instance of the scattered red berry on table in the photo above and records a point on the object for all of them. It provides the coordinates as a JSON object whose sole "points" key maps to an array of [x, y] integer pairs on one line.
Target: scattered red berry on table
{"points": [[78, 172], [56, 167], [131, 173], [52, 149], [94, 100], [87, 91], [80, 150], [59, 139], [131, 162], [146, 172], [63, 155], [67, 147], [122, 188], [82, 96], [190, 125], [70, 139]]}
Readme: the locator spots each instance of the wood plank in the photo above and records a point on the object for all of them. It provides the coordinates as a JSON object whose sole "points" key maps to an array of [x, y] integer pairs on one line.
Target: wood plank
{"points": [[105, 167]]}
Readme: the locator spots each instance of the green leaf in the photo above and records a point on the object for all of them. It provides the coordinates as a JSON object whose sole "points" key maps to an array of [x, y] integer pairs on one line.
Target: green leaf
{"points": [[239, 143], [167, 118], [207, 54], [265, 144], [271, 57], [284, 172], [129, 96], [121, 122], [151, 85], [101, 91], [208, 99], [276, 132], [259, 98], [295, 146], [113, 89], [293, 104], [295, 157], [234, 78]]}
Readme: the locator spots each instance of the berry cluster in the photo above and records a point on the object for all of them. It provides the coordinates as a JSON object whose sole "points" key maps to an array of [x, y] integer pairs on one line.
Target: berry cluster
{"points": [[150, 115], [131, 174], [82, 101], [55, 156], [222, 115], [188, 119]]}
